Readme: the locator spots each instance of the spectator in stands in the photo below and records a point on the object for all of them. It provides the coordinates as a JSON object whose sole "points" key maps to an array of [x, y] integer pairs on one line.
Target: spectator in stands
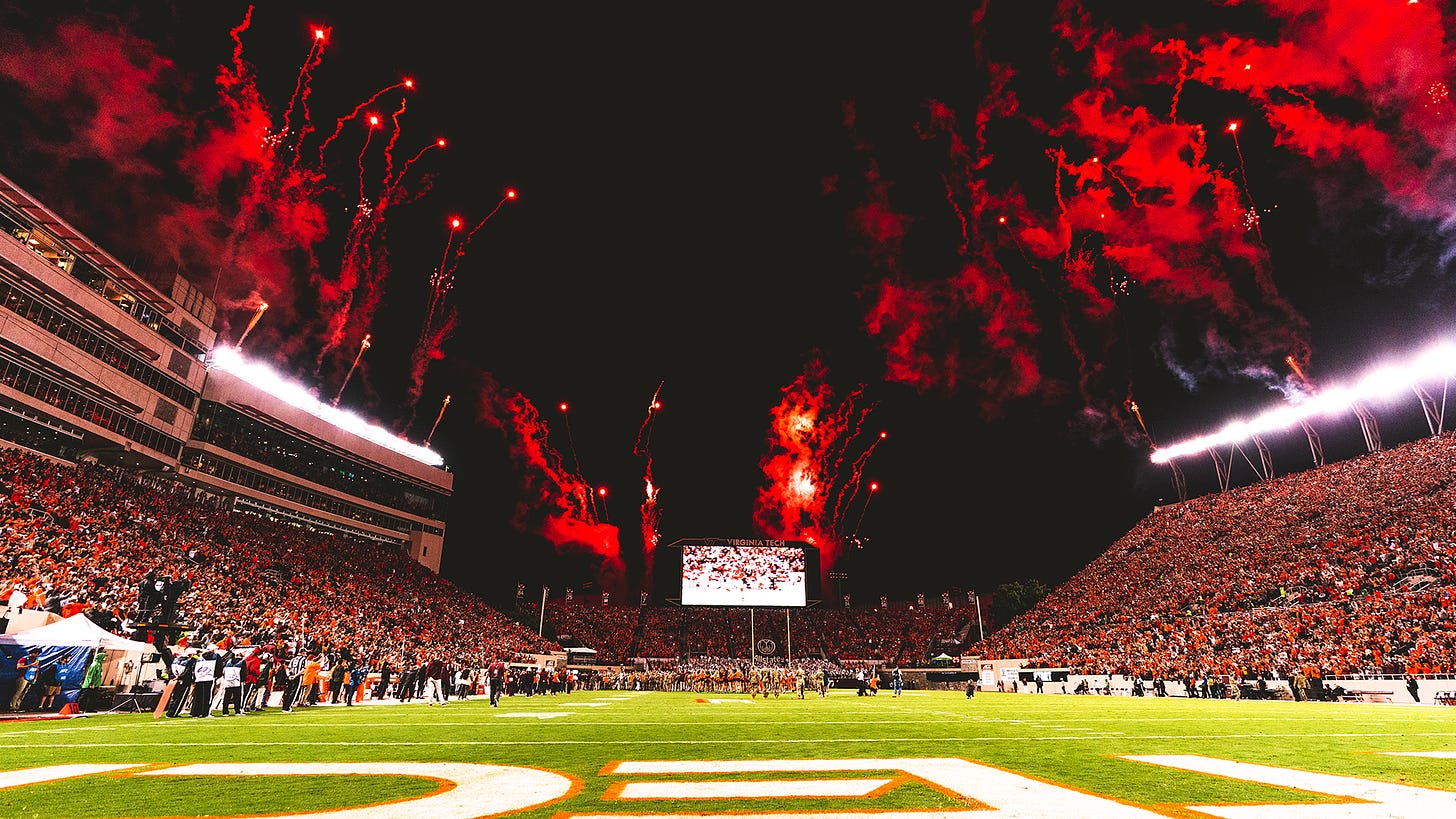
{"points": [[16, 600]]}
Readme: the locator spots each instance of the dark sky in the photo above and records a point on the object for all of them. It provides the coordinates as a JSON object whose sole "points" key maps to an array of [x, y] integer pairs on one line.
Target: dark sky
{"points": [[712, 200]]}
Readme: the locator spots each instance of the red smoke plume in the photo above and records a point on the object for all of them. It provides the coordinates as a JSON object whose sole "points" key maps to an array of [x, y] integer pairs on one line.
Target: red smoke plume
{"points": [[651, 513], [1143, 204], [810, 438], [555, 502], [245, 211]]}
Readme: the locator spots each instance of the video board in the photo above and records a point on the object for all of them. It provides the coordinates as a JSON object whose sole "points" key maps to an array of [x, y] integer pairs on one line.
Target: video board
{"points": [[745, 573]]}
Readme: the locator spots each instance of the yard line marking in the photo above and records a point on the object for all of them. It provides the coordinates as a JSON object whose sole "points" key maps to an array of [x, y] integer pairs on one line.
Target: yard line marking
{"points": [[716, 701], [537, 714], [585, 704], [1381, 799], [753, 790], [616, 699], [35, 776]]}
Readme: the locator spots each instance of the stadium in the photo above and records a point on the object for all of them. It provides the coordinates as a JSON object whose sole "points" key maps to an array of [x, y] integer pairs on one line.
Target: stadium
{"points": [[250, 569]]}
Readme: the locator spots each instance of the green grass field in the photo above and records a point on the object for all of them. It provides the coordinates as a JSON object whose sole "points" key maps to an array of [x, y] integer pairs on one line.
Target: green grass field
{"points": [[1057, 747]]}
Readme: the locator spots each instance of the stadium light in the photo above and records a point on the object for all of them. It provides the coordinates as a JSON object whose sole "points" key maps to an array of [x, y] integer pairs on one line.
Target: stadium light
{"points": [[1437, 362], [229, 360]]}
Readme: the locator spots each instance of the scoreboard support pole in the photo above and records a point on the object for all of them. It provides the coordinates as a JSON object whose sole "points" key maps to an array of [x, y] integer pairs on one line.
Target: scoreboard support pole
{"points": [[789, 637]]}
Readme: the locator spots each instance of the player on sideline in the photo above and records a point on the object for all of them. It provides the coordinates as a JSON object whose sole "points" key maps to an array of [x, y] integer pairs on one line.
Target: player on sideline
{"points": [[496, 671]]}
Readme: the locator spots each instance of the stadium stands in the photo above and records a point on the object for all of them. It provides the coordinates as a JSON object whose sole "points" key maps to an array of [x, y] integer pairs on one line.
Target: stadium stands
{"points": [[1344, 570], [82, 538], [894, 634]]}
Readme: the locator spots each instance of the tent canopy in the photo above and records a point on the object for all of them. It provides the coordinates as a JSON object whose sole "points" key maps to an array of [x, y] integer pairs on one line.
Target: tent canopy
{"points": [[942, 656], [76, 630]]}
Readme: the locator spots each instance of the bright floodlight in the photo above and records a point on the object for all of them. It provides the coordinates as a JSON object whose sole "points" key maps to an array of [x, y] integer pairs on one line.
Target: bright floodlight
{"points": [[1438, 362], [264, 378]]}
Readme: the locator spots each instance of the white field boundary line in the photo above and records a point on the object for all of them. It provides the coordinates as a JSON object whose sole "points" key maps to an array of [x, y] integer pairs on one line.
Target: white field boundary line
{"points": [[777, 741], [888, 720], [293, 725]]}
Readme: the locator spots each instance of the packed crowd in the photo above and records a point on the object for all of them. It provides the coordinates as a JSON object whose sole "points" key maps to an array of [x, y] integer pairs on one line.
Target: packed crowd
{"points": [[1345, 569], [260, 594], [86, 537], [892, 633]]}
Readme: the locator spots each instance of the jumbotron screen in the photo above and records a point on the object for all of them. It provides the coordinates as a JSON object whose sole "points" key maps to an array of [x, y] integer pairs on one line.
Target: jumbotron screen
{"points": [[730, 575]]}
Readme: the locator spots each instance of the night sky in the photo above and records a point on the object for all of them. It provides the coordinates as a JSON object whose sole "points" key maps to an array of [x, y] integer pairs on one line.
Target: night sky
{"points": [[980, 229]]}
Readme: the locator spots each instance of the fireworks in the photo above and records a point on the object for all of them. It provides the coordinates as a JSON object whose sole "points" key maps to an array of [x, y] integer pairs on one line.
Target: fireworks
{"points": [[554, 501], [1438, 362], [1163, 216], [810, 437], [651, 514], [358, 109], [363, 345], [229, 360], [253, 322], [436, 425], [440, 316]]}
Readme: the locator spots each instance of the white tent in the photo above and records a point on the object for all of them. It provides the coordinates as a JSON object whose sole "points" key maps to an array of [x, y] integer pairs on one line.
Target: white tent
{"points": [[76, 630]]}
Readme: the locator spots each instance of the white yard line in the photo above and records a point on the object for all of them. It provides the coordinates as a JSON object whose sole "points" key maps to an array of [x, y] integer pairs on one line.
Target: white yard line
{"points": [[940, 741], [826, 788], [32, 776]]}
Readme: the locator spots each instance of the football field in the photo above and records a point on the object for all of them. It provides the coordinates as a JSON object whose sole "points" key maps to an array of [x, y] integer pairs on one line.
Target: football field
{"points": [[624, 753]]}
